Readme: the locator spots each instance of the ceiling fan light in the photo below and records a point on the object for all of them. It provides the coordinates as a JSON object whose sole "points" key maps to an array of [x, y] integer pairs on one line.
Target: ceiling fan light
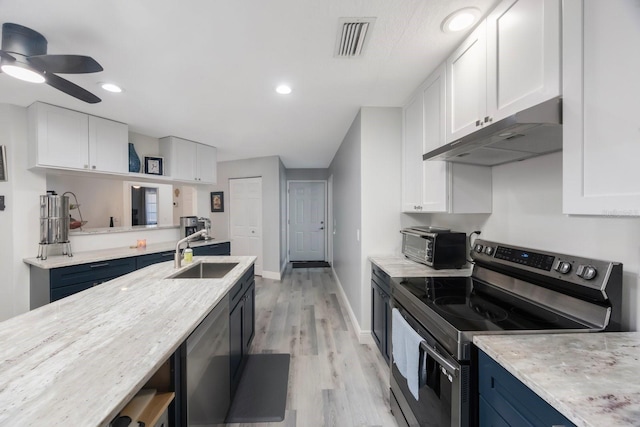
{"points": [[22, 73], [110, 87]]}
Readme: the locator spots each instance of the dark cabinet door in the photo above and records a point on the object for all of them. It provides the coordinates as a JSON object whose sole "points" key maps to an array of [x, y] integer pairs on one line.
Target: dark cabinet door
{"points": [[211, 250], [387, 337], [235, 343], [249, 316], [378, 316]]}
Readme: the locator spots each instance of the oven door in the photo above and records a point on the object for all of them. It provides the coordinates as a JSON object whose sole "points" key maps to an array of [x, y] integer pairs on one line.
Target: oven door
{"points": [[443, 398]]}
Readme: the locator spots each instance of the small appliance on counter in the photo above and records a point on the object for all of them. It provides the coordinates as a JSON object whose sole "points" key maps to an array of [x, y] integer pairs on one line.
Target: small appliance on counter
{"points": [[438, 248], [205, 224], [188, 225], [54, 223]]}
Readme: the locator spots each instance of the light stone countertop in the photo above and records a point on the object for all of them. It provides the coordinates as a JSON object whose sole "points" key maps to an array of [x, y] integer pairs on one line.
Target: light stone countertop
{"points": [[591, 378], [399, 266], [79, 360], [57, 261]]}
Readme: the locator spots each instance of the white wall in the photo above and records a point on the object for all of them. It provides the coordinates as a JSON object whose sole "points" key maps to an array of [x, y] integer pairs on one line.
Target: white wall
{"points": [[347, 190], [381, 192], [19, 222], [269, 169], [366, 201], [527, 211]]}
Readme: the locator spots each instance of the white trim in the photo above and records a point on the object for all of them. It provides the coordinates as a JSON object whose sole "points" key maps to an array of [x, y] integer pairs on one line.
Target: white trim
{"points": [[364, 336], [326, 228], [271, 275]]}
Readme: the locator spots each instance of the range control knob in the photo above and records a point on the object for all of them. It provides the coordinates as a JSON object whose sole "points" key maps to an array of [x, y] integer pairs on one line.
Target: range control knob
{"points": [[488, 250], [478, 248], [563, 267], [587, 272]]}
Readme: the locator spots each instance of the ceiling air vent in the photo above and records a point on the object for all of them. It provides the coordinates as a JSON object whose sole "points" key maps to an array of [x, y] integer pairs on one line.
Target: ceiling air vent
{"points": [[352, 36]]}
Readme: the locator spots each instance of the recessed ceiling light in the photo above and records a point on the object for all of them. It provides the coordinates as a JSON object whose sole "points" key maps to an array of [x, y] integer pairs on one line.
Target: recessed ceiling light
{"points": [[283, 89], [460, 20], [110, 87], [23, 73]]}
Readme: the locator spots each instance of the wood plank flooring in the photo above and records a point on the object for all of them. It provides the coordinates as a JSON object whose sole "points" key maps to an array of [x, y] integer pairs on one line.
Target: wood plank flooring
{"points": [[333, 379]]}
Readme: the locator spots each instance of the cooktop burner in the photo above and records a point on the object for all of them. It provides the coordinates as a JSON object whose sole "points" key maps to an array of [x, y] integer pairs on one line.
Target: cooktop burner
{"points": [[461, 302]]}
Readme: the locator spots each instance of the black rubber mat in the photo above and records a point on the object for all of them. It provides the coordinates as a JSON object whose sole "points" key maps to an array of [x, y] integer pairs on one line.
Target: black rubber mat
{"points": [[262, 393], [310, 264]]}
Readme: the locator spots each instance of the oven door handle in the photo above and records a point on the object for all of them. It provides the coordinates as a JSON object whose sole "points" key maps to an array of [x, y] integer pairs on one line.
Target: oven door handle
{"points": [[448, 366]]}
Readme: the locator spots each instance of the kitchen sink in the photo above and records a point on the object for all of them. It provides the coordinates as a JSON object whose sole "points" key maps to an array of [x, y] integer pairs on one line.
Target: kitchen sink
{"points": [[205, 270]]}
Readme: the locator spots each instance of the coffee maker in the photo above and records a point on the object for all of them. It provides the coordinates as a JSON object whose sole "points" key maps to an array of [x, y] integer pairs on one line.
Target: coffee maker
{"points": [[188, 225], [205, 224]]}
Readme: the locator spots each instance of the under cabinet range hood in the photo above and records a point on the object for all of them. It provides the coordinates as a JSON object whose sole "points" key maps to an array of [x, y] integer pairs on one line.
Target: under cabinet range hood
{"points": [[528, 133]]}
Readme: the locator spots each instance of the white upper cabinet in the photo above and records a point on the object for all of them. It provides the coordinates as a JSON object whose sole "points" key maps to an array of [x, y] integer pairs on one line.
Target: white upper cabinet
{"points": [[189, 161], [466, 86], [601, 138], [108, 145], [437, 186], [66, 139], [510, 62]]}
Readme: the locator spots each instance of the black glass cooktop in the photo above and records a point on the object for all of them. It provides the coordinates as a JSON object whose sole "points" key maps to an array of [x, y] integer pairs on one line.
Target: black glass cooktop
{"points": [[468, 305]]}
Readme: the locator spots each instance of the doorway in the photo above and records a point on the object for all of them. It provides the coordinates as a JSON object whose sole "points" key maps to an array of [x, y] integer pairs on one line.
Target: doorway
{"points": [[306, 223], [245, 218]]}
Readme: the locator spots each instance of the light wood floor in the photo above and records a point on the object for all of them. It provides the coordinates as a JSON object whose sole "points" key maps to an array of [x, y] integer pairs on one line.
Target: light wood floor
{"points": [[333, 379]]}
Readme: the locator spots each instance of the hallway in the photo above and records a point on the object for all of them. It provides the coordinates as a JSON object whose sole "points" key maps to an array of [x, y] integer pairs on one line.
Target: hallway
{"points": [[333, 380]]}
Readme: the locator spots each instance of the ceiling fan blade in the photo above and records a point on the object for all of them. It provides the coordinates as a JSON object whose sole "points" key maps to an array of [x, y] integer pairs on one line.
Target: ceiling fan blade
{"points": [[5, 55], [69, 64], [70, 88]]}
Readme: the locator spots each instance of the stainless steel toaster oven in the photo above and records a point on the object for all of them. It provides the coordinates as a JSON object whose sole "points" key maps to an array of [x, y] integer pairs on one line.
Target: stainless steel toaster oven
{"points": [[436, 247]]}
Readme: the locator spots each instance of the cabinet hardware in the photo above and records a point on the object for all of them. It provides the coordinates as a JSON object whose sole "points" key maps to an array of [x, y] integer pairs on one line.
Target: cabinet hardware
{"points": [[477, 123], [104, 264]]}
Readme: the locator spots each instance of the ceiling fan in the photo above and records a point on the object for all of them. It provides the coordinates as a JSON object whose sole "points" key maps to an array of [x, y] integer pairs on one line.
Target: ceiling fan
{"points": [[24, 56]]}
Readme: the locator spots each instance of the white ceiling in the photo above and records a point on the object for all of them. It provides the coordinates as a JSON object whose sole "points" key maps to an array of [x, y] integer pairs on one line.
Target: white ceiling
{"points": [[206, 70]]}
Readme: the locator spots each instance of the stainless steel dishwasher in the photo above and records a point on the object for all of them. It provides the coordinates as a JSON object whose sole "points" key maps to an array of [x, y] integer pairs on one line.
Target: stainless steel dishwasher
{"points": [[207, 369]]}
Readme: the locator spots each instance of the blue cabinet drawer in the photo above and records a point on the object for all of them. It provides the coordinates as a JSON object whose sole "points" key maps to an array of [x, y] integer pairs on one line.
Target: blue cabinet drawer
{"points": [[97, 271], [65, 291], [240, 288], [212, 250], [145, 260], [515, 403]]}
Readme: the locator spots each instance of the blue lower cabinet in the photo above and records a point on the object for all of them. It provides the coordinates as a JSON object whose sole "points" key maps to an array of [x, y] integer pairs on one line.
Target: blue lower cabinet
{"points": [[506, 401], [66, 281], [212, 250], [146, 260]]}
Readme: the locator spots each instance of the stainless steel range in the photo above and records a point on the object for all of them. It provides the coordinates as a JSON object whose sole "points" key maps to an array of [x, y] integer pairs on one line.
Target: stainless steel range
{"points": [[511, 290]]}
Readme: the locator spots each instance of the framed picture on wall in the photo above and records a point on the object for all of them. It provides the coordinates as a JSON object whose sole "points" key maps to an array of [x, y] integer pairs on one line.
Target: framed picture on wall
{"points": [[217, 201], [154, 165]]}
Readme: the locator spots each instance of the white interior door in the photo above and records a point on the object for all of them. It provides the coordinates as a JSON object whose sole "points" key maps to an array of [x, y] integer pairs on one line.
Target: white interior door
{"points": [[245, 218], [307, 222]]}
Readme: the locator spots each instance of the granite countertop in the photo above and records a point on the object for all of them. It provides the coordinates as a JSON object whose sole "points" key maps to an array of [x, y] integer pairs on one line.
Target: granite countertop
{"points": [[57, 261], [79, 360], [591, 378], [399, 266]]}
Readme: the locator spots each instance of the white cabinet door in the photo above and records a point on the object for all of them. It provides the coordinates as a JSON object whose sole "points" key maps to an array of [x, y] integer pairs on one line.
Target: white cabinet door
{"points": [[466, 91], [437, 186], [186, 161], [207, 164], [412, 156], [58, 137], [108, 145], [601, 141], [523, 55], [435, 174]]}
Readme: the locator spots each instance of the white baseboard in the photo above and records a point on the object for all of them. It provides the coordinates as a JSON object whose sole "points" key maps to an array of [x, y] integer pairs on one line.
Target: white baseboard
{"points": [[275, 275], [364, 336]]}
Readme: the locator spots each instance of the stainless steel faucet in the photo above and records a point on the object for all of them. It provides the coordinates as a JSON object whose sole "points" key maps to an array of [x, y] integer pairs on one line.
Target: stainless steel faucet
{"points": [[177, 259]]}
